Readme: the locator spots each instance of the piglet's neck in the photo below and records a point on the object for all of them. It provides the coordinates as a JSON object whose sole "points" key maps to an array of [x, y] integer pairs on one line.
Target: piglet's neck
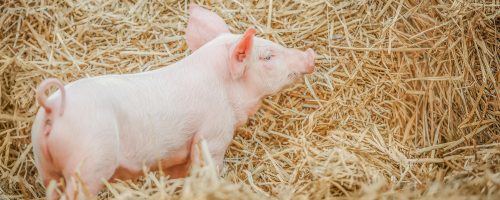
{"points": [[245, 99]]}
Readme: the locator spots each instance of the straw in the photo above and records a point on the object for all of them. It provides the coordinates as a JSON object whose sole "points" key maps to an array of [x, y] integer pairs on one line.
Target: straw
{"points": [[404, 103]]}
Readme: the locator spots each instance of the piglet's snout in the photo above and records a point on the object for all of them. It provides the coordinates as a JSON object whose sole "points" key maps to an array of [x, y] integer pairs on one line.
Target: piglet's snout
{"points": [[301, 61], [309, 58]]}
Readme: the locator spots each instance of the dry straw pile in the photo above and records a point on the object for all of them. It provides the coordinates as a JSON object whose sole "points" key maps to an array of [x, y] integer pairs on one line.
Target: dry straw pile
{"points": [[405, 103]]}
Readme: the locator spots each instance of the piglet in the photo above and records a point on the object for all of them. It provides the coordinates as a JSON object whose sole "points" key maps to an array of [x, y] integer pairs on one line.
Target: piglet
{"points": [[109, 127]]}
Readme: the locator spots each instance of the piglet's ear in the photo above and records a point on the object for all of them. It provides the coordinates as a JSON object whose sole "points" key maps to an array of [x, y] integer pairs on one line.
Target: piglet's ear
{"points": [[203, 26], [241, 51]]}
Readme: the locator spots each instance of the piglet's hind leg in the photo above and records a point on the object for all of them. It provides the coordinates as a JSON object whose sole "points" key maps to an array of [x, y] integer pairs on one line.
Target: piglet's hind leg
{"points": [[88, 183], [84, 177]]}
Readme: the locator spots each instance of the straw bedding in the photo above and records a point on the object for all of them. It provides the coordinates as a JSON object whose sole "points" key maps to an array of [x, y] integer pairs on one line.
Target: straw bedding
{"points": [[404, 103]]}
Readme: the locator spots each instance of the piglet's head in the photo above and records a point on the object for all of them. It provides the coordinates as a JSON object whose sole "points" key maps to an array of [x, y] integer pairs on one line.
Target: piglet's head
{"points": [[266, 66]]}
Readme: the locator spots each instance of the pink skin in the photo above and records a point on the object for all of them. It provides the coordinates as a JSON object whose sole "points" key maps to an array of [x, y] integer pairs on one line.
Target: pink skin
{"points": [[109, 127]]}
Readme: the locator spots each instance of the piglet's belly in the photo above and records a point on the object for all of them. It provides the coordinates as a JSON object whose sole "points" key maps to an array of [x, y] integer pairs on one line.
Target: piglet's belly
{"points": [[123, 173], [175, 165]]}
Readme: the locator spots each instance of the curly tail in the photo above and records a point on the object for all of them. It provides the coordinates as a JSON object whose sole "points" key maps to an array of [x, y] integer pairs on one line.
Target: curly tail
{"points": [[42, 99]]}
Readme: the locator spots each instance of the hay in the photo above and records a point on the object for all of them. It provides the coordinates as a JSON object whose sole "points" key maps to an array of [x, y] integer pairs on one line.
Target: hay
{"points": [[405, 103]]}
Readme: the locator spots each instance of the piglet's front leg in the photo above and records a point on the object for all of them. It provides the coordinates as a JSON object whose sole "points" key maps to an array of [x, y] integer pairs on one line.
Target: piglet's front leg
{"points": [[203, 153]]}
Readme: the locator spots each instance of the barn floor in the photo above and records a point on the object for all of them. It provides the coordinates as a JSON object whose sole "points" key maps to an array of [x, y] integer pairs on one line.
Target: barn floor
{"points": [[404, 103]]}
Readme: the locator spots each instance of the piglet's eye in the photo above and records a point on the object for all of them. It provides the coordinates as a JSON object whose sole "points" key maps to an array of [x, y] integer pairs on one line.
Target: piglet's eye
{"points": [[267, 58]]}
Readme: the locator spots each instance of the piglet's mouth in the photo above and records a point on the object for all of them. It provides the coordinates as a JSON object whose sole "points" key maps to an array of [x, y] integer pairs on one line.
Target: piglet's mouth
{"points": [[293, 76]]}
